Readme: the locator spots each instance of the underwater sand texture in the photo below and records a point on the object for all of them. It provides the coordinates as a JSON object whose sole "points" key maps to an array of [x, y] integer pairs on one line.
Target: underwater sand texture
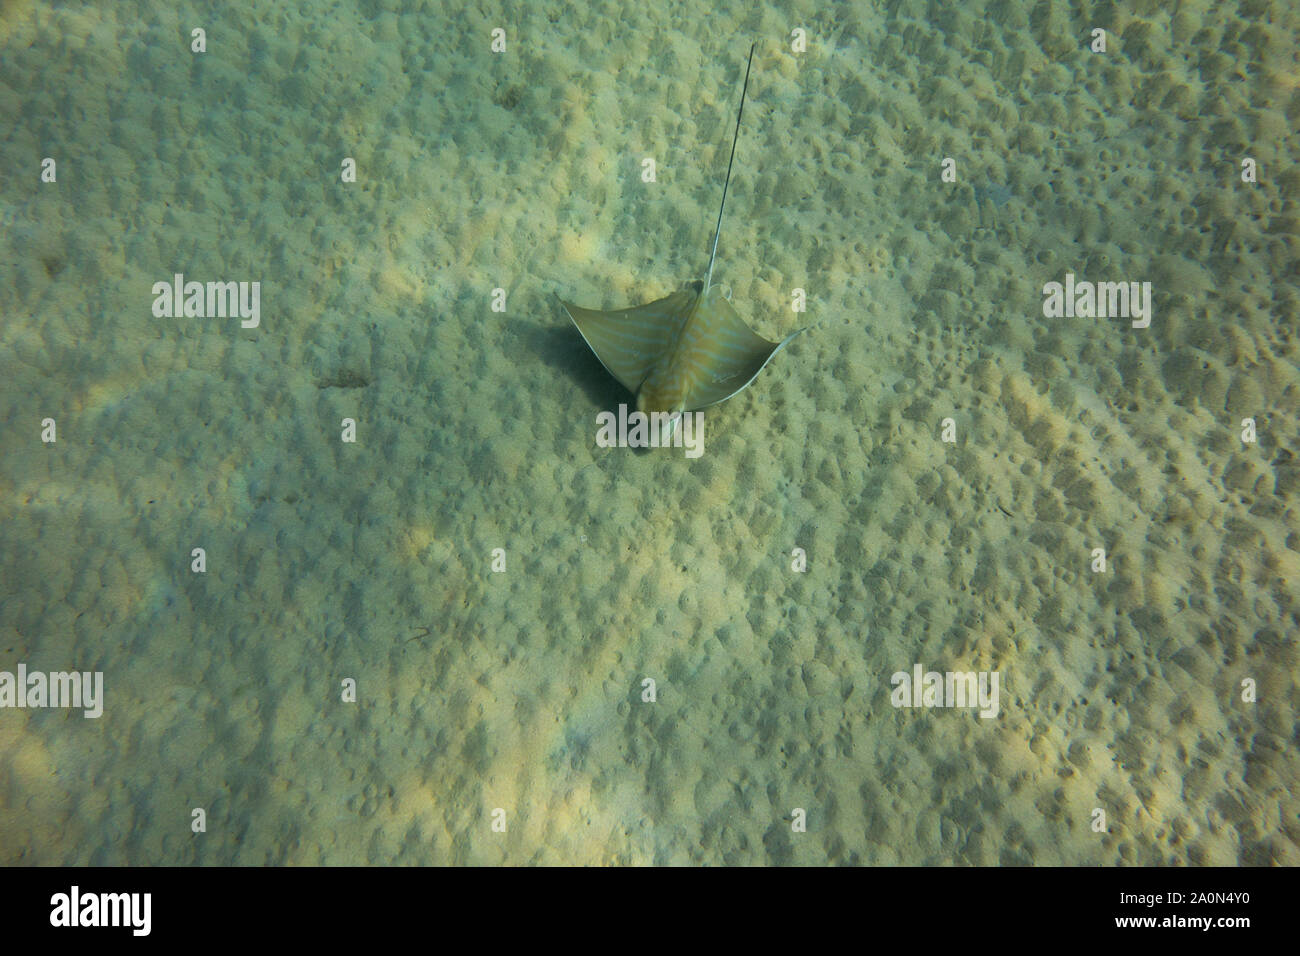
{"points": [[522, 690]]}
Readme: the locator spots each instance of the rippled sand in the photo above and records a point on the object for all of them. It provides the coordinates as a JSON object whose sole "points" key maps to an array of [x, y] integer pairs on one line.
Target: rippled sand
{"points": [[523, 690]]}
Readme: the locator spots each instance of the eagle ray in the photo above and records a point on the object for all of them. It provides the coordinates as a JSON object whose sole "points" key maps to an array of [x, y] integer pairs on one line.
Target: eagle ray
{"points": [[688, 350]]}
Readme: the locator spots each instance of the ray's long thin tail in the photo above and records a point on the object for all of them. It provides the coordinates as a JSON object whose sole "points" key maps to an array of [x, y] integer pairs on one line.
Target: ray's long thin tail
{"points": [[708, 280]]}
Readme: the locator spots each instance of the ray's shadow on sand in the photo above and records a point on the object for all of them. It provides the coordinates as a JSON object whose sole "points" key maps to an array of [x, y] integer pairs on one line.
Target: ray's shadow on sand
{"points": [[563, 349]]}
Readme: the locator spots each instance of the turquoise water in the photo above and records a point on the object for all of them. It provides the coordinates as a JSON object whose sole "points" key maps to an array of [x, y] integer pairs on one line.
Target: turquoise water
{"points": [[361, 585]]}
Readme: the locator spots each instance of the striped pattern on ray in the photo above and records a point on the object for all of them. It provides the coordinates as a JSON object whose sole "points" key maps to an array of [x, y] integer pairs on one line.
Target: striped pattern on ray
{"points": [[683, 352]]}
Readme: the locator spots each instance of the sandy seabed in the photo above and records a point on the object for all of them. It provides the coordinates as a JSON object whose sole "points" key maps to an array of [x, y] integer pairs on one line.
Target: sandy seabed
{"points": [[371, 561]]}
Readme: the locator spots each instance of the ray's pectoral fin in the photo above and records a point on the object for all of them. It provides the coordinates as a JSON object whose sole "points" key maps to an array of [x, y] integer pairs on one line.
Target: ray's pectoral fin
{"points": [[730, 357], [629, 342]]}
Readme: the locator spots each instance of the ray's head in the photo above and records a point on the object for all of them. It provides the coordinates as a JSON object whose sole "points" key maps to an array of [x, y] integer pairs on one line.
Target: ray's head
{"points": [[660, 415]]}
